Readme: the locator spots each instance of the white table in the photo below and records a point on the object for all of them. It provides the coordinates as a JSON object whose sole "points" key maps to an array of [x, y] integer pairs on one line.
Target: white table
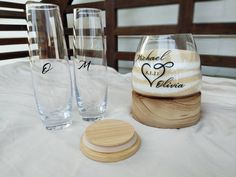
{"points": [[27, 149]]}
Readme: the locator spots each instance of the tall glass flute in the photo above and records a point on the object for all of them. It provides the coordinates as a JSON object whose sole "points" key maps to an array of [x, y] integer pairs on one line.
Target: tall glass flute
{"points": [[49, 65], [90, 64]]}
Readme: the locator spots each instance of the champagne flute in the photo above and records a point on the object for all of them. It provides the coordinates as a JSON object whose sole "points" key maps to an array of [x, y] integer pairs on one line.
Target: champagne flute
{"points": [[90, 64], [49, 65]]}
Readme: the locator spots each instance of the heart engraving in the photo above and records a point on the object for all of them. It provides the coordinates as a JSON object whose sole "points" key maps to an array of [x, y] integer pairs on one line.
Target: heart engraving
{"points": [[161, 68]]}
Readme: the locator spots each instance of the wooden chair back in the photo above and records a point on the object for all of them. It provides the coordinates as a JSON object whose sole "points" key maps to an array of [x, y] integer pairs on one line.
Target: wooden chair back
{"points": [[185, 25], [112, 30], [16, 12]]}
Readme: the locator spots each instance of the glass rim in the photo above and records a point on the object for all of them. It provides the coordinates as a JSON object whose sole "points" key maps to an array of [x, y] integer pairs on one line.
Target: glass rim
{"points": [[174, 34], [41, 6], [165, 37], [86, 9]]}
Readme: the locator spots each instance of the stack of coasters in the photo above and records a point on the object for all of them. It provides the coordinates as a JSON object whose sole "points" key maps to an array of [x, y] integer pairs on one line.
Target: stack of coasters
{"points": [[109, 141]]}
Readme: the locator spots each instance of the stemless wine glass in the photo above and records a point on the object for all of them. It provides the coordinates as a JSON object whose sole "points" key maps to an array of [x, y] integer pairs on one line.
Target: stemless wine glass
{"points": [[90, 64], [49, 65], [167, 66]]}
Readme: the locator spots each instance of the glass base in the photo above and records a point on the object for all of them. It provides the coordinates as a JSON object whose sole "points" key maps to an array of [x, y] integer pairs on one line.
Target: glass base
{"points": [[92, 118], [58, 127], [92, 113]]}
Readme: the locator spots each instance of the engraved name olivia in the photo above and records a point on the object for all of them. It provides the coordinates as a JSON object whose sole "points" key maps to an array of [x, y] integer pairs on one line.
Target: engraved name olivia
{"points": [[159, 70]]}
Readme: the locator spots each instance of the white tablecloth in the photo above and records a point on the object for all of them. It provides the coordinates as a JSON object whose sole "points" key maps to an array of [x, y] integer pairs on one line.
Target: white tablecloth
{"points": [[27, 149]]}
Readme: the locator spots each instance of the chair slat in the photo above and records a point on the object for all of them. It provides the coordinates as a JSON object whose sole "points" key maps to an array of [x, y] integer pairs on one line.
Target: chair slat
{"points": [[214, 28], [88, 53], [111, 38], [143, 3], [70, 52], [12, 14], [12, 41], [120, 4], [220, 61], [204, 0], [147, 30], [12, 5], [10, 55], [206, 60], [125, 56], [13, 27], [69, 31]]}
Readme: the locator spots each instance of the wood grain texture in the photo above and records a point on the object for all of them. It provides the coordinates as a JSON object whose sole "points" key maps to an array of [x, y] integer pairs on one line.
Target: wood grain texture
{"points": [[110, 157], [166, 112], [109, 133]]}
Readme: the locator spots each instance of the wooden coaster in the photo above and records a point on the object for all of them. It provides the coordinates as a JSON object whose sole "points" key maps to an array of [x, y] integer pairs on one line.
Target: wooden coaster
{"points": [[109, 141], [166, 112]]}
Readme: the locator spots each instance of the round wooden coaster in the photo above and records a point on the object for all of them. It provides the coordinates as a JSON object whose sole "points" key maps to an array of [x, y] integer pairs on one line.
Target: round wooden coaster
{"points": [[166, 112], [109, 141], [109, 133]]}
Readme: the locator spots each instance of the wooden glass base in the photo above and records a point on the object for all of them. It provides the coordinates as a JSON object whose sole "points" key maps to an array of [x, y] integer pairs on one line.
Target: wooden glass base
{"points": [[166, 112]]}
